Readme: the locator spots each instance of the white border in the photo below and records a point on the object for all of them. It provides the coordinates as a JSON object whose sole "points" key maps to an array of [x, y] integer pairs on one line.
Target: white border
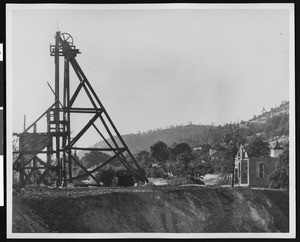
{"points": [[9, 121], [151, 6], [1, 181], [290, 7], [1, 156], [292, 131], [1, 52]]}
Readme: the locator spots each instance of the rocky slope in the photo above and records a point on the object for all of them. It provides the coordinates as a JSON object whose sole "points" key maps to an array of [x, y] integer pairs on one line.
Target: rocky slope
{"points": [[150, 209]]}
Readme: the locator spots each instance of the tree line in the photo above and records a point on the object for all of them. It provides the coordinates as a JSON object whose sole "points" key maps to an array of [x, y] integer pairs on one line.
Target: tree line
{"points": [[167, 152], [180, 160], [269, 124]]}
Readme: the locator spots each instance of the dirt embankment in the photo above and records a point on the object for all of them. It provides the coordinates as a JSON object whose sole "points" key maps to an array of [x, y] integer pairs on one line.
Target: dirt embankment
{"points": [[168, 209]]}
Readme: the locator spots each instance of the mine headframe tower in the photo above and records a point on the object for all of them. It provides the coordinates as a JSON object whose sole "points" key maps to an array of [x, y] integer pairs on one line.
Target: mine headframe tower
{"points": [[57, 140]]}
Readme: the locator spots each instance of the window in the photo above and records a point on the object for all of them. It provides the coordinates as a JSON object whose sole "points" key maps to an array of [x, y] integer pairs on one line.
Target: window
{"points": [[239, 169], [261, 169]]}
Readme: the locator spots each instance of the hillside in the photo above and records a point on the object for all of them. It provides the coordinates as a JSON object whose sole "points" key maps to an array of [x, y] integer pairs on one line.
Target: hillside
{"points": [[150, 209], [271, 125], [283, 109]]}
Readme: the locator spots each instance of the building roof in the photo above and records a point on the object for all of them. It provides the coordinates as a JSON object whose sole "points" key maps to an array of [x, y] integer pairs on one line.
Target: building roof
{"points": [[123, 173], [277, 146], [215, 146], [218, 154]]}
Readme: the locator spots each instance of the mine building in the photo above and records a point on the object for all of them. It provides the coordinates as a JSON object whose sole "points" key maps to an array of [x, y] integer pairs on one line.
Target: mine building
{"points": [[125, 178]]}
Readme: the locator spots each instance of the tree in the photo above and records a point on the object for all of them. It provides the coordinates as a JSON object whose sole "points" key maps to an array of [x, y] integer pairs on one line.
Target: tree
{"points": [[280, 178], [179, 149], [183, 161], [227, 139], [182, 148], [159, 151], [218, 147], [258, 148], [230, 142], [196, 167], [205, 148], [145, 160], [203, 153], [94, 158]]}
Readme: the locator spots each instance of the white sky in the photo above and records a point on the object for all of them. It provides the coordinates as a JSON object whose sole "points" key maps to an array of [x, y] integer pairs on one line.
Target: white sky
{"points": [[153, 68]]}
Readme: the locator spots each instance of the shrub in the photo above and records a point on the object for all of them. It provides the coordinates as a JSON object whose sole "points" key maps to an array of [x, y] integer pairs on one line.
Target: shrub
{"points": [[280, 178], [158, 172]]}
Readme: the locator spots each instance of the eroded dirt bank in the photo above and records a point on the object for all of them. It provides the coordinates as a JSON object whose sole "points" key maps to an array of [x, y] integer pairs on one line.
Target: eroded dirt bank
{"points": [[168, 209]]}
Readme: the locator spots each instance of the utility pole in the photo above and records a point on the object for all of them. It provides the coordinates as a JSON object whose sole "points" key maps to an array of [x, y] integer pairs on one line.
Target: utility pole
{"points": [[234, 151]]}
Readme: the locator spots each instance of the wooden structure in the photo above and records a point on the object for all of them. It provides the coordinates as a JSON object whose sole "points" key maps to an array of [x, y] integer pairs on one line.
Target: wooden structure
{"points": [[125, 178], [56, 143]]}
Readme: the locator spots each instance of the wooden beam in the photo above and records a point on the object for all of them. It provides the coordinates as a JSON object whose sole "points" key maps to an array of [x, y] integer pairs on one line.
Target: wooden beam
{"points": [[39, 118], [83, 168], [75, 94], [100, 166], [86, 127], [28, 177], [43, 163], [42, 177], [99, 149]]}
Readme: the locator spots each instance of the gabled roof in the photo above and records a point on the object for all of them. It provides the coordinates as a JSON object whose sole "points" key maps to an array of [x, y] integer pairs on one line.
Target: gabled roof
{"points": [[277, 146]]}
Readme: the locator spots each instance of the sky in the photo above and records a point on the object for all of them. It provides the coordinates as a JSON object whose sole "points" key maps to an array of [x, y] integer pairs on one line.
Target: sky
{"points": [[153, 68]]}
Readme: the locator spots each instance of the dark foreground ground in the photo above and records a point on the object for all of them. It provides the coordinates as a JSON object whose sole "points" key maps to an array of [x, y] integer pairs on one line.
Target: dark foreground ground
{"points": [[150, 209]]}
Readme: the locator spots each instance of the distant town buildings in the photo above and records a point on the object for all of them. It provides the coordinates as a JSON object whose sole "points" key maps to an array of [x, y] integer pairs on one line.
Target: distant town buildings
{"points": [[215, 152], [215, 155], [212, 151]]}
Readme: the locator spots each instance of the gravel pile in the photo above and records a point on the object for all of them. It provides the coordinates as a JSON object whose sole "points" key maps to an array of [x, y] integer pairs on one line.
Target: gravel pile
{"points": [[45, 192], [56, 192]]}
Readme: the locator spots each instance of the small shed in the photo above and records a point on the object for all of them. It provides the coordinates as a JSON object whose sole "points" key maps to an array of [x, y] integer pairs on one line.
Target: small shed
{"points": [[125, 178]]}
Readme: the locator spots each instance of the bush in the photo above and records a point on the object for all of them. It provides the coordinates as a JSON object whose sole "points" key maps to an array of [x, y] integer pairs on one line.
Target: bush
{"points": [[280, 178], [158, 172]]}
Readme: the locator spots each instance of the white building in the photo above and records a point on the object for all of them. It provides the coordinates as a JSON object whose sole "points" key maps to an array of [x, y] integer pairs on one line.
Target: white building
{"points": [[276, 150]]}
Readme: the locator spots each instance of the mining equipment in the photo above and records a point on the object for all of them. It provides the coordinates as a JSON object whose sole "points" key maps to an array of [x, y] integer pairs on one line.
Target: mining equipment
{"points": [[56, 143]]}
